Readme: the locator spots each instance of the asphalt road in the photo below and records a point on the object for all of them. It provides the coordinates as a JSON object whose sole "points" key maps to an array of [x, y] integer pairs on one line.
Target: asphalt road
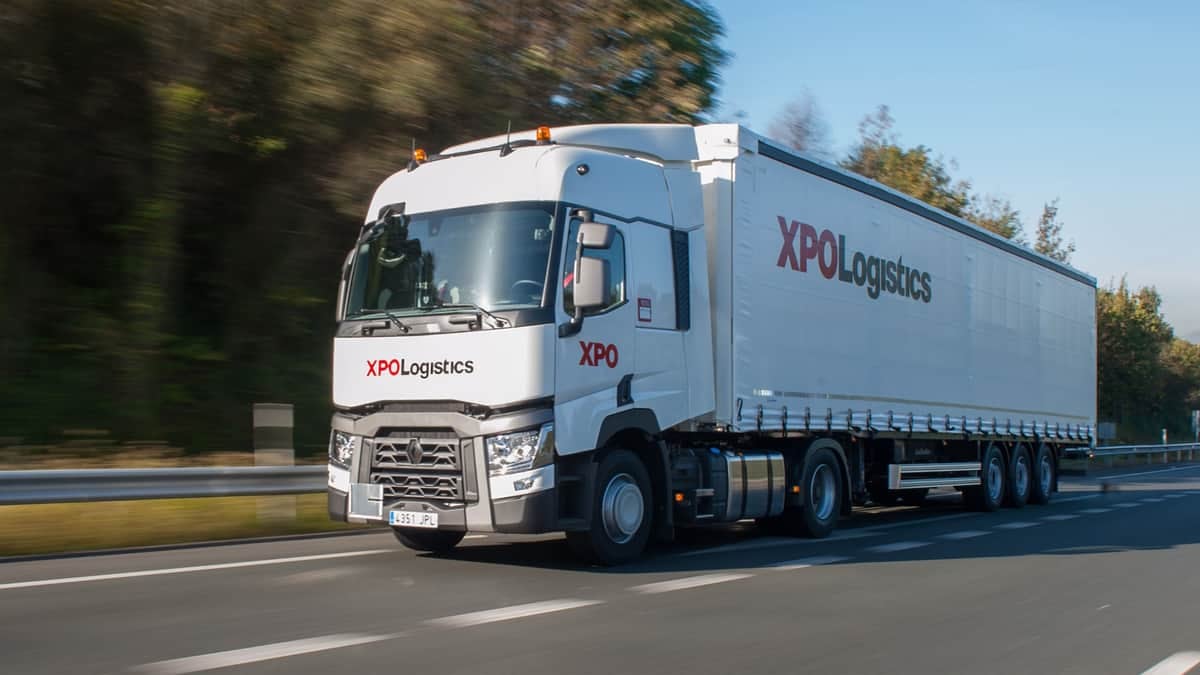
{"points": [[1098, 582]]}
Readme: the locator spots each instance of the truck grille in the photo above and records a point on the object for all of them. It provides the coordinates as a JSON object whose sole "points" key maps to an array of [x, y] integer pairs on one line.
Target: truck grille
{"points": [[418, 464]]}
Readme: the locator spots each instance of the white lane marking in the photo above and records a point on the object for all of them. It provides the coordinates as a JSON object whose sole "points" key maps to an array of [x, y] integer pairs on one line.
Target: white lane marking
{"points": [[1080, 498], [1016, 525], [779, 541], [964, 534], [1060, 517], [1095, 511], [1151, 500], [278, 650], [807, 562], [1127, 505], [687, 582], [1175, 664], [475, 536], [511, 612], [193, 568], [1175, 495], [896, 546], [1147, 473]]}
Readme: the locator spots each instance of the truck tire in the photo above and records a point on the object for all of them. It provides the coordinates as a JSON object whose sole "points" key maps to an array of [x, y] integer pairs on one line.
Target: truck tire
{"points": [[1020, 477], [1042, 487], [821, 497], [994, 474], [430, 541], [622, 512]]}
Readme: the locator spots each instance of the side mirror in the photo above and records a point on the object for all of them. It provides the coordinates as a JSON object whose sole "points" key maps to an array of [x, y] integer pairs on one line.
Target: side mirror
{"points": [[591, 284], [595, 235]]}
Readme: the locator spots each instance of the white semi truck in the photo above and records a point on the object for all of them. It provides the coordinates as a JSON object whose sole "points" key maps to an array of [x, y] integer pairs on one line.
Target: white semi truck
{"points": [[614, 331]]}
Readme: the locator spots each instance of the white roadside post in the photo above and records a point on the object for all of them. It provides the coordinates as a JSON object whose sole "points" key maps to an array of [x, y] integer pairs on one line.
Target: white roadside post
{"points": [[273, 423]]}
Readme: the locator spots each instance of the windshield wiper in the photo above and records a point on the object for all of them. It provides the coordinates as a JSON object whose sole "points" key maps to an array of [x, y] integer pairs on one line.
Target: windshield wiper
{"points": [[371, 328], [499, 321]]}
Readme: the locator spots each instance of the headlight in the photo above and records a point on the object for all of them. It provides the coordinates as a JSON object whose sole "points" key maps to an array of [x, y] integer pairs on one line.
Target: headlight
{"points": [[341, 448], [521, 450]]}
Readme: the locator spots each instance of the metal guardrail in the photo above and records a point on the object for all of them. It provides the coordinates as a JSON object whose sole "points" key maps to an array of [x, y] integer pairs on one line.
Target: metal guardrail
{"points": [[92, 485], [1149, 451]]}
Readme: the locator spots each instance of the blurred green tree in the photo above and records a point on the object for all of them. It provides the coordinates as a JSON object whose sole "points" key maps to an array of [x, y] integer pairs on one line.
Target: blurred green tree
{"points": [[183, 178], [1131, 335]]}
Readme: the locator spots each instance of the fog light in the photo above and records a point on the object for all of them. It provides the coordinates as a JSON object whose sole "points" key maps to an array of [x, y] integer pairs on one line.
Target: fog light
{"points": [[523, 484]]}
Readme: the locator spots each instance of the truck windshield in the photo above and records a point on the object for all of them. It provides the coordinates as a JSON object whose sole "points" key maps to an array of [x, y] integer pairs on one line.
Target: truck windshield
{"points": [[495, 257]]}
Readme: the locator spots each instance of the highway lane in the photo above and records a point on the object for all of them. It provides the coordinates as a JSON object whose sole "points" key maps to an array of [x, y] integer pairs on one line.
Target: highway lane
{"points": [[1097, 582]]}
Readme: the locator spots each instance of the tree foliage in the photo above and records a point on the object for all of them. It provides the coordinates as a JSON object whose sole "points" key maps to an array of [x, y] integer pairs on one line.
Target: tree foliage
{"points": [[1049, 235], [914, 171], [1131, 336], [802, 126], [182, 178], [997, 215]]}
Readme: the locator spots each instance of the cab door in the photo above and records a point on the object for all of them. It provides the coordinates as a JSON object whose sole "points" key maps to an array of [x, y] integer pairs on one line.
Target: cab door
{"points": [[595, 365]]}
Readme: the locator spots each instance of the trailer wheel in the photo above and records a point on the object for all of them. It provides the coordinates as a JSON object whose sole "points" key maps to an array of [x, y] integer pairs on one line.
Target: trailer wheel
{"points": [[993, 472], [1043, 476], [622, 512], [431, 541], [1020, 477], [820, 497]]}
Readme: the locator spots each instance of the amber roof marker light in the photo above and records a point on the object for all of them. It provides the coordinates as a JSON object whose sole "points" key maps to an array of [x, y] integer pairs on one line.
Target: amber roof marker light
{"points": [[543, 135]]}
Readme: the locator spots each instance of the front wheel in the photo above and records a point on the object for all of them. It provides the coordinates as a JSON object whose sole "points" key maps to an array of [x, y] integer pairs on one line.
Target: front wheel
{"points": [[430, 541], [621, 512]]}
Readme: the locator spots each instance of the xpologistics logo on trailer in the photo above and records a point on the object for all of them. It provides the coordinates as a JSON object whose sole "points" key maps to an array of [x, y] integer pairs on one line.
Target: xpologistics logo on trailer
{"points": [[830, 252]]}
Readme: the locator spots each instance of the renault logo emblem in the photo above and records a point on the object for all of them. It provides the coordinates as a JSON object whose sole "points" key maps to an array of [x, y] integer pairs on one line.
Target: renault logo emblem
{"points": [[414, 451]]}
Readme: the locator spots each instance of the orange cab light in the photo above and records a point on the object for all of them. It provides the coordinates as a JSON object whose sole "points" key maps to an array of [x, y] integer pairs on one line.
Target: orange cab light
{"points": [[420, 156], [678, 496], [795, 489], [543, 134]]}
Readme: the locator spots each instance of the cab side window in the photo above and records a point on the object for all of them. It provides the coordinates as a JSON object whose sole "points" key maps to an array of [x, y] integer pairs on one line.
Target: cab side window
{"points": [[615, 255]]}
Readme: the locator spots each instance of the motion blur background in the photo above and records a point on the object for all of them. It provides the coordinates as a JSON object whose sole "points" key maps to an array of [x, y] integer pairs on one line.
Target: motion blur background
{"points": [[182, 179]]}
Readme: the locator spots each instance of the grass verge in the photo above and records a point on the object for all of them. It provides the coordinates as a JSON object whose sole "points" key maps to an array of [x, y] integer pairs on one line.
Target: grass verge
{"points": [[60, 528]]}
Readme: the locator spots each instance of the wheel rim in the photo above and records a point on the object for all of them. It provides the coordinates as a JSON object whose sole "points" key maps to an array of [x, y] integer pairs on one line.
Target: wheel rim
{"points": [[622, 508], [1045, 473], [995, 478], [821, 492], [1021, 475]]}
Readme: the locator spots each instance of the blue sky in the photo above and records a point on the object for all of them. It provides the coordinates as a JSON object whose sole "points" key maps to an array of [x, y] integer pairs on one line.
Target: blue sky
{"points": [[1096, 103]]}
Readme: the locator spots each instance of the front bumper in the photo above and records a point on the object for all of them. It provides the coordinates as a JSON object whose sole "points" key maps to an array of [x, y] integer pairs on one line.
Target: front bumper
{"points": [[524, 503]]}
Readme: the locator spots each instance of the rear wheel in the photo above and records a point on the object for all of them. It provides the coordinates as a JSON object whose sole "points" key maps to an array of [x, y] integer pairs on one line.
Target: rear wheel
{"points": [[1043, 475], [993, 473], [621, 512], [821, 497], [432, 541], [1020, 475]]}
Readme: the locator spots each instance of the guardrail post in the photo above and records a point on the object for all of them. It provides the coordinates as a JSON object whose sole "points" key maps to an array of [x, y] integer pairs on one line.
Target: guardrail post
{"points": [[273, 423]]}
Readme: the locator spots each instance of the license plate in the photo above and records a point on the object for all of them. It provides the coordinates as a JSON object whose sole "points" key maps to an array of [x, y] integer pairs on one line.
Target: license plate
{"points": [[413, 519]]}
